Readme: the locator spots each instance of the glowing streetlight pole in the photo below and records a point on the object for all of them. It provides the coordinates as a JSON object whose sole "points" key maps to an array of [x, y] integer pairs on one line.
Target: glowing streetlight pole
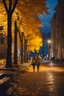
{"points": [[49, 42]]}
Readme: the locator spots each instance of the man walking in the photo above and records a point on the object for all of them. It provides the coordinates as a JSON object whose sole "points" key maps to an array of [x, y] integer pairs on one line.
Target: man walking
{"points": [[38, 62]]}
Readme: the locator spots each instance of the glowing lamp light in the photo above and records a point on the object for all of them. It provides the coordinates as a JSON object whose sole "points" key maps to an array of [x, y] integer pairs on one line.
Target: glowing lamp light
{"points": [[49, 41]]}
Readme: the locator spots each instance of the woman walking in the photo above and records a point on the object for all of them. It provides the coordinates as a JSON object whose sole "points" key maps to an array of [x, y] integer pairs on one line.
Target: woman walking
{"points": [[34, 63]]}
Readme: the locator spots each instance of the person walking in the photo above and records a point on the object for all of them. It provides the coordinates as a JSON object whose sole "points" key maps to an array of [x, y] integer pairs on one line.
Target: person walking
{"points": [[38, 62], [34, 63]]}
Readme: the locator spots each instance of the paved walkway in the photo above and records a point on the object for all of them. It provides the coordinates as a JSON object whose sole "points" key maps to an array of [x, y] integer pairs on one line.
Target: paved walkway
{"points": [[48, 82]]}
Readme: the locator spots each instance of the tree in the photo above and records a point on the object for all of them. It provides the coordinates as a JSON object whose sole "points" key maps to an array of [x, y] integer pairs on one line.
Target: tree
{"points": [[25, 51], [34, 43], [9, 11], [31, 32], [28, 11], [15, 43], [22, 47]]}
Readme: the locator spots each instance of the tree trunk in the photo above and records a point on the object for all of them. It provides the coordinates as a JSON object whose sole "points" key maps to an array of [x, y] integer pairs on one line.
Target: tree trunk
{"points": [[9, 43], [15, 44], [22, 48], [9, 9], [25, 51]]}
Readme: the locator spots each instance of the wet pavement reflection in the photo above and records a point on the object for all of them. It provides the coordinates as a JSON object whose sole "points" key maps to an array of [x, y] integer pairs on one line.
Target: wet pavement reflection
{"points": [[49, 81]]}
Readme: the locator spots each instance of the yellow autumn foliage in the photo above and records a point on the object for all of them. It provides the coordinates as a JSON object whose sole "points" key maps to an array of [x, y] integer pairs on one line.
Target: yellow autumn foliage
{"points": [[26, 11], [34, 44]]}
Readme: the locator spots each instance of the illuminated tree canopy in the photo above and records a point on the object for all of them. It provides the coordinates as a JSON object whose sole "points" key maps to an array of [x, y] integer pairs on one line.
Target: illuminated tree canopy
{"points": [[26, 11]]}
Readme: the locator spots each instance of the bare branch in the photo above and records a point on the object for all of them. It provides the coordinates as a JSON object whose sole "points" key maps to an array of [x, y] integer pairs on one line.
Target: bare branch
{"points": [[5, 5], [15, 3]]}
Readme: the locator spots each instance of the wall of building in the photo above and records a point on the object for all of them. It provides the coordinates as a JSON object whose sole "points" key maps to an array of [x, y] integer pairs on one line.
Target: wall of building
{"points": [[53, 37], [57, 32], [3, 46]]}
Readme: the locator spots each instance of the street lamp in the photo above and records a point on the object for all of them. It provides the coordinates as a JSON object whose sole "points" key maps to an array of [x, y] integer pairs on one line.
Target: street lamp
{"points": [[49, 41], [49, 45]]}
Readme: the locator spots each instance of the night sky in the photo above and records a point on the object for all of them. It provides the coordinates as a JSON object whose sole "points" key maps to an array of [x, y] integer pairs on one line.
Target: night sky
{"points": [[46, 18]]}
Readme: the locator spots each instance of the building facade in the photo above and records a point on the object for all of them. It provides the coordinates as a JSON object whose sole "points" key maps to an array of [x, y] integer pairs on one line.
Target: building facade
{"points": [[57, 32], [3, 46]]}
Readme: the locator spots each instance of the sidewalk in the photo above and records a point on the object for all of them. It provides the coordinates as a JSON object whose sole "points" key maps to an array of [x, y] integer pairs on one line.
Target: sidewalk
{"points": [[23, 67], [19, 67], [42, 83]]}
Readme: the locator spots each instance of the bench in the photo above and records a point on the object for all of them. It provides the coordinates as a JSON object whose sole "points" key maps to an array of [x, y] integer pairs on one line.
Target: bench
{"points": [[4, 85], [10, 74], [1, 75], [10, 91], [7, 86], [8, 69]]}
